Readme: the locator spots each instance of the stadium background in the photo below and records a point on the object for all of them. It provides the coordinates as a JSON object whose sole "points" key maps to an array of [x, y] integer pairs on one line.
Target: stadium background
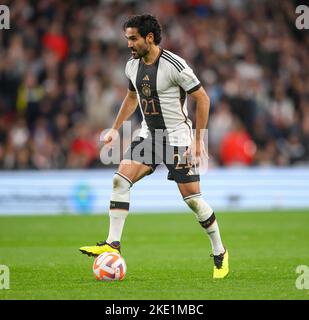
{"points": [[61, 84]]}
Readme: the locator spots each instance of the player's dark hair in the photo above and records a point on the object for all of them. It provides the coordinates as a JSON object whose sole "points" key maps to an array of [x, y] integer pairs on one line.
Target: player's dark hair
{"points": [[145, 24]]}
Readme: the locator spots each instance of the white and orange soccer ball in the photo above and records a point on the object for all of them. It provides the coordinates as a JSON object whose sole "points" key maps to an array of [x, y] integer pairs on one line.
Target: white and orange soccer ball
{"points": [[109, 266]]}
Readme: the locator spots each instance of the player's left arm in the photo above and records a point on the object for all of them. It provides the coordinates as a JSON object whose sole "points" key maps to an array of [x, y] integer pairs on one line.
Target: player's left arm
{"points": [[202, 111], [197, 148]]}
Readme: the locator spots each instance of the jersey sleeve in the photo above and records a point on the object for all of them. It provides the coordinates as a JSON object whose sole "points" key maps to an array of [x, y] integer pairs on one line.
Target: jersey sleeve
{"points": [[186, 78], [127, 72]]}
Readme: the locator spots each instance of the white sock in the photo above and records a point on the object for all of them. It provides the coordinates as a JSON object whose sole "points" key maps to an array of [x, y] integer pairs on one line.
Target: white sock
{"points": [[215, 239], [116, 224], [207, 219], [119, 206]]}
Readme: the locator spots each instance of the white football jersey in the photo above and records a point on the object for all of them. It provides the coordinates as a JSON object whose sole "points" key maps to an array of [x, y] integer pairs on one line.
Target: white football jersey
{"points": [[162, 89]]}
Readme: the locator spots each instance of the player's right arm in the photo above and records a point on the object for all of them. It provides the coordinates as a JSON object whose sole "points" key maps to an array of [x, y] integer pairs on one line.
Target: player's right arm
{"points": [[127, 108]]}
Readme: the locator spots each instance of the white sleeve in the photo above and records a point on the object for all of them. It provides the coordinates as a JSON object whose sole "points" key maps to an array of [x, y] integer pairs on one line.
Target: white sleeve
{"points": [[186, 78], [127, 72]]}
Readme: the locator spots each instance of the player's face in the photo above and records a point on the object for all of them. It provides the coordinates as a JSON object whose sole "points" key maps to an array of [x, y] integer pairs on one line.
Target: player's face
{"points": [[138, 45]]}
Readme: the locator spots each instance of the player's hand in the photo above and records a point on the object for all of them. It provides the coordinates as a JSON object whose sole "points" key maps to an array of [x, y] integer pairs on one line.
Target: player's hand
{"points": [[110, 138], [197, 152]]}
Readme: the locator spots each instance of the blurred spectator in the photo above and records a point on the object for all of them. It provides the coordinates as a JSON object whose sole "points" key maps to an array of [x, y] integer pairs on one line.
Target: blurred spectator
{"points": [[83, 149], [305, 135], [100, 99], [29, 95], [23, 159], [19, 134], [237, 147], [56, 41], [282, 109], [221, 123]]}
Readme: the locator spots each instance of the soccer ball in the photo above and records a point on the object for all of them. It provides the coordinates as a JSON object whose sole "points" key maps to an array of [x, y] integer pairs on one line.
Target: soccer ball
{"points": [[109, 266]]}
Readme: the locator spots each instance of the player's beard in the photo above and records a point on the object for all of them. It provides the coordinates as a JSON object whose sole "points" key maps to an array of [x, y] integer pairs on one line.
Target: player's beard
{"points": [[142, 52]]}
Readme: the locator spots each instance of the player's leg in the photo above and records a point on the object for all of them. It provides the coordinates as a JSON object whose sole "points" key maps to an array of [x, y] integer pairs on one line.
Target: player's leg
{"points": [[128, 173], [203, 212], [207, 219], [187, 178], [130, 170]]}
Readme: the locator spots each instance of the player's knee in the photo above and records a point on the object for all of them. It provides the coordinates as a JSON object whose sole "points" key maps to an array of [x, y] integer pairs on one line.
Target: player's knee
{"points": [[120, 197], [121, 184], [193, 202], [199, 206]]}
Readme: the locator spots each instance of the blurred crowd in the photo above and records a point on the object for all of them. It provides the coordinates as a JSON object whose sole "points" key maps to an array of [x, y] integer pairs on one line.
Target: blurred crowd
{"points": [[62, 78]]}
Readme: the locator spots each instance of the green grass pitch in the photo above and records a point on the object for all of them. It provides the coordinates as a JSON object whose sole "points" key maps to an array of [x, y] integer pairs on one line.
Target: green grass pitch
{"points": [[167, 257]]}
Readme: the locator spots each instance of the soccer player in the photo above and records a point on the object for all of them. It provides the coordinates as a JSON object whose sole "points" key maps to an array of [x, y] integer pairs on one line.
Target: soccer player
{"points": [[159, 81]]}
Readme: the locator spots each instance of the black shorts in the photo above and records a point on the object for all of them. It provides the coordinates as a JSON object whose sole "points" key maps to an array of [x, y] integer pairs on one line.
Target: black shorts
{"points": [[151, 153]]}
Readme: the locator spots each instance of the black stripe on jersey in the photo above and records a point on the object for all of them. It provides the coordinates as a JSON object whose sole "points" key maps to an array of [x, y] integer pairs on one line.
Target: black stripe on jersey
{"points": [[182, 102], [173, 63], [146, 84], [194, 88], [174, 59], [182, 97], [131, 87]]}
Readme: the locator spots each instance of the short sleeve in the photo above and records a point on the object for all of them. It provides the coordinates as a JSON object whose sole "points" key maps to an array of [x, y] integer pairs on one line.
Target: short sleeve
{"points": [[186, 78], [127, 72]]}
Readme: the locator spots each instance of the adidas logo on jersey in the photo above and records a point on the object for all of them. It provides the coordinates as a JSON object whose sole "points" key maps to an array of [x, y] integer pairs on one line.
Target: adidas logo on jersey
{"points": [[146, 78]]}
